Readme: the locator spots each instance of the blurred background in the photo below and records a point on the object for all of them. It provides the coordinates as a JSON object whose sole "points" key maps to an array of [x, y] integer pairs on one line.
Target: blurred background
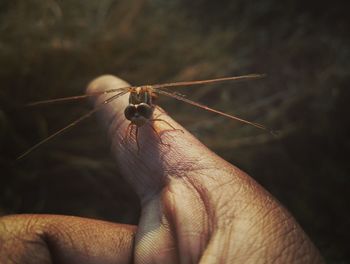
{"points": [[53, 48]]}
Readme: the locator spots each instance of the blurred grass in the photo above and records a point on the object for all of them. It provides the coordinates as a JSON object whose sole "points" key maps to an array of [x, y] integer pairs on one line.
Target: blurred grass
{"points": [[54, 48]]}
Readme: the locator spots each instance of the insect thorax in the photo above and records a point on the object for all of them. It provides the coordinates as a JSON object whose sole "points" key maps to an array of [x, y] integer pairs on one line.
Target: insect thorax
{"points": [[141, 95]]}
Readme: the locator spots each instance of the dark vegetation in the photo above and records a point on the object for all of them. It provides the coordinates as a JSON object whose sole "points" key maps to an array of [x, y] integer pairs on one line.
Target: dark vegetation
{"points": [[54, 48]]}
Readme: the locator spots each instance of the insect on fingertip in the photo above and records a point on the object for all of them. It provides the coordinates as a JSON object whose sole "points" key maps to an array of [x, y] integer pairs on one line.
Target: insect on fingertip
{"points": [[141, 96]]}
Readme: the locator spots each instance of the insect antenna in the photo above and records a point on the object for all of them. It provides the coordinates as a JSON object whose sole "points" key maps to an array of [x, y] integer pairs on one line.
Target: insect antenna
{"points": [[176, 96], [80, 119]]}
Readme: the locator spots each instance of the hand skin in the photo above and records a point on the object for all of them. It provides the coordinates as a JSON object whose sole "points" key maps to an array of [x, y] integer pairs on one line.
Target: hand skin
{"points": [[196, 207]]}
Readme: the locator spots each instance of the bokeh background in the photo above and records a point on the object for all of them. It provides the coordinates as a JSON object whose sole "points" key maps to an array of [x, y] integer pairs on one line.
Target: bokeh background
{"points": [[53, 48]]}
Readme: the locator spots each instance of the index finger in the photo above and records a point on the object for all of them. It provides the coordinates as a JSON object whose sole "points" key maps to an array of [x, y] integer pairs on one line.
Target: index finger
{"points": [[166, 149], [191, 196]]}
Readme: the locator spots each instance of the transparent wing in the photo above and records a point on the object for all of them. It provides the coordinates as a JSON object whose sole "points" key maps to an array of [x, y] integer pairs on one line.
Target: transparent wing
{"points": [[77, 97], [155, 86], [80, 119], [178, 97], [232, 78]]}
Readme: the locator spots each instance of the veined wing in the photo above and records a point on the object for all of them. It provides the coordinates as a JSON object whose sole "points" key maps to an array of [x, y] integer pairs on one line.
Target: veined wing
{"points": [[78, 97], [80, 119], [181, 98], [154, 86], [223, 79]]}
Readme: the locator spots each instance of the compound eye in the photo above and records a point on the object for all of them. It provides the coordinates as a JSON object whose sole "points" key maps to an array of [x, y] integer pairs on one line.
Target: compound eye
{"points": [[130, 111], [144, 110]]}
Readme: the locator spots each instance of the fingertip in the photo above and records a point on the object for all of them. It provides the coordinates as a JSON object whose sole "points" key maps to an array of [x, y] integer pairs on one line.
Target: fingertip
{"points": [[97, 89], [105, 82]]}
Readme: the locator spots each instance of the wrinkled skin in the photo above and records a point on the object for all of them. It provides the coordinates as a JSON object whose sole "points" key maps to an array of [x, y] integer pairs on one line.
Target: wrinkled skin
{"points": [[196, 208]]}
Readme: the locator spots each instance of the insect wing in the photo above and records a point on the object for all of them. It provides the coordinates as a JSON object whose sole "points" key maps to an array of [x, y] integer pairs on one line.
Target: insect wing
{"points": [[181, 98], [80, 119], [77, 97]]}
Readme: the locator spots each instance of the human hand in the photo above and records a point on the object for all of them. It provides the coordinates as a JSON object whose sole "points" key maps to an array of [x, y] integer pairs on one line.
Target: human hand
{"points": [[196, 208]]}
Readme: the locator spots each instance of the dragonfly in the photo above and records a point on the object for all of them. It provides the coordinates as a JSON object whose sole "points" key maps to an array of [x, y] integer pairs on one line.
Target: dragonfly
{"points": [[141, 105]]}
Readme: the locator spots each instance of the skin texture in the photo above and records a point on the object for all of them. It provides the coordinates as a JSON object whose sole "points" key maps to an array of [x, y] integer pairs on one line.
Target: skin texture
{"points": [[196, 207]]}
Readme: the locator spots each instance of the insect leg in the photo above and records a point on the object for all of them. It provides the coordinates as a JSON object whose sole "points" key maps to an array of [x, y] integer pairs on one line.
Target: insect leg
{"points": [[166, 122], [128, 131], [159, 136], [137, 140]]}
